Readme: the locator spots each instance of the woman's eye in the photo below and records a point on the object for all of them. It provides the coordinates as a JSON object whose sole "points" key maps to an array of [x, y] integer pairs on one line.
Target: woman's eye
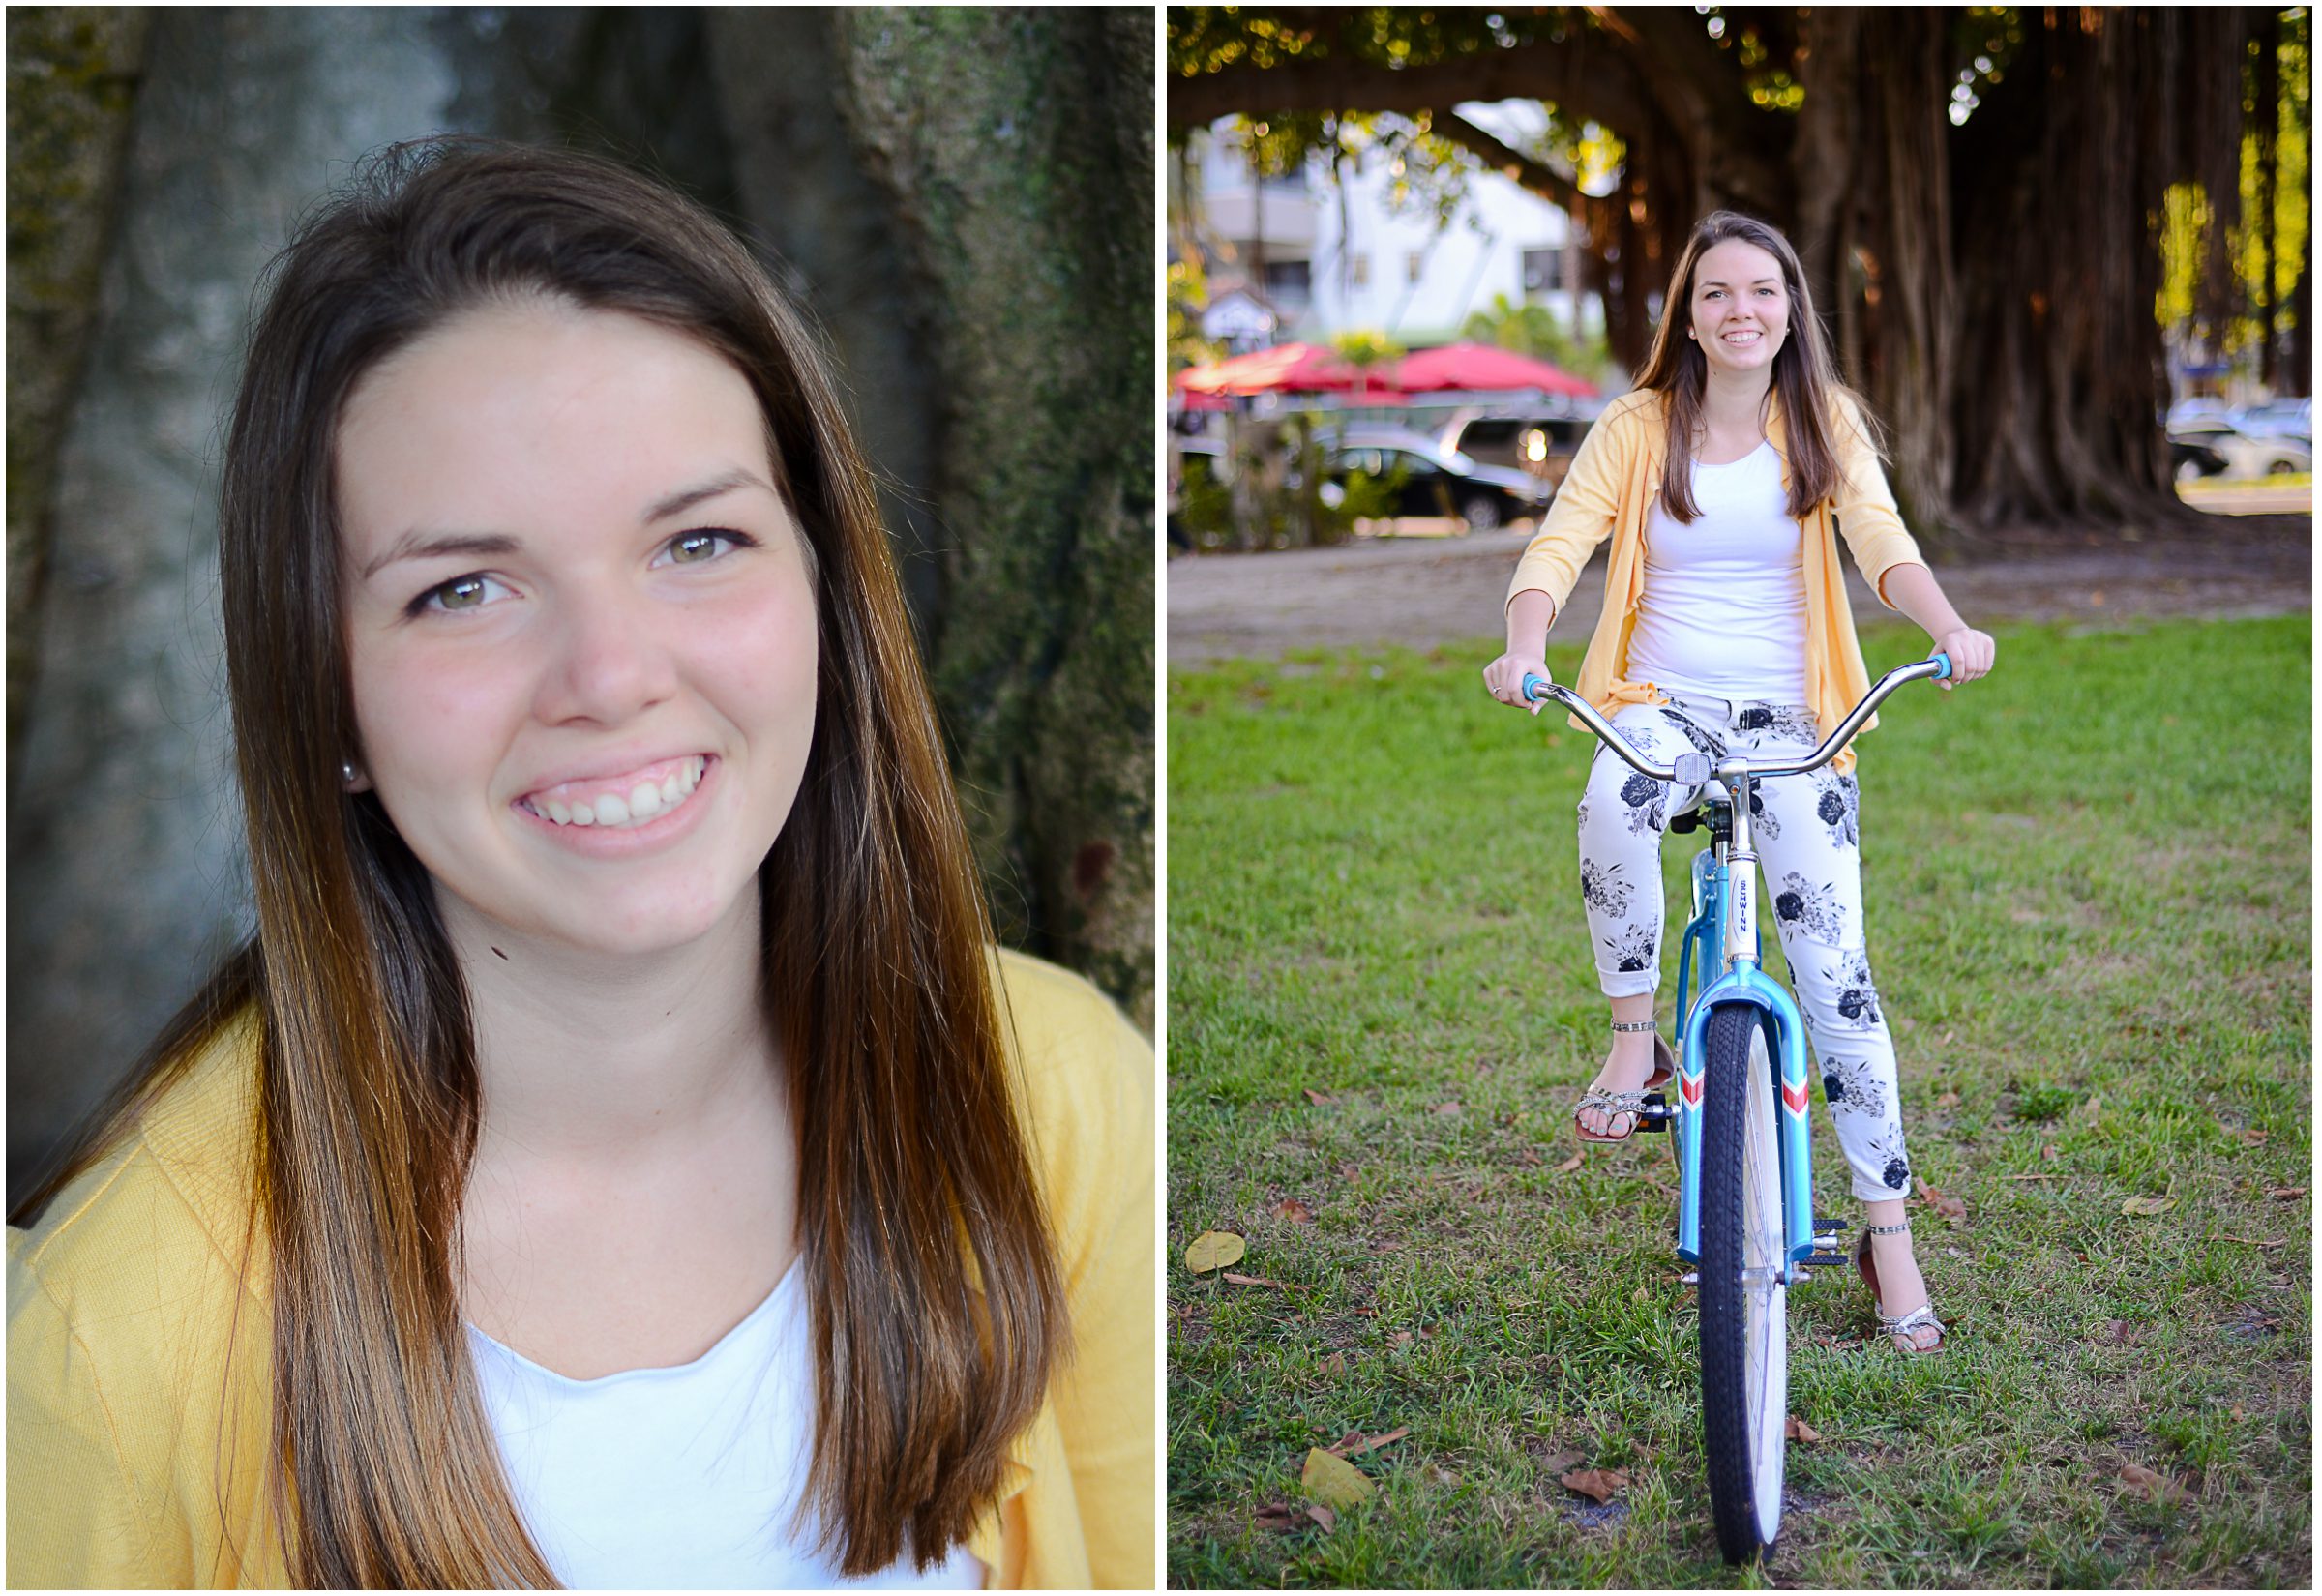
{"points": [[699, 548], [469, 592]]}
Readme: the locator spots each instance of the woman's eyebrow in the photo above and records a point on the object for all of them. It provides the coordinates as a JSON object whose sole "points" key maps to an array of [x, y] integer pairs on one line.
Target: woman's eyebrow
{"points": [[1713, 282], [415, 545], [685, 498]]}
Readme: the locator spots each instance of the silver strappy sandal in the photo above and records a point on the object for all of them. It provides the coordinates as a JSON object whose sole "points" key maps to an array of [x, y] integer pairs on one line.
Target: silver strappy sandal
{"points": [[1631, 1103], [1902, 1329]]}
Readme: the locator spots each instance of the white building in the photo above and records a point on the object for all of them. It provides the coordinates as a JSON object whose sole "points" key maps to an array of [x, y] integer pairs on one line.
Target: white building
{"points": [[1329, 262]]}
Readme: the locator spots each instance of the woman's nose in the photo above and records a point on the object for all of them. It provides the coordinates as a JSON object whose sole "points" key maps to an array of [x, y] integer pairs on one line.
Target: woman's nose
{"points": [[613, 659]]}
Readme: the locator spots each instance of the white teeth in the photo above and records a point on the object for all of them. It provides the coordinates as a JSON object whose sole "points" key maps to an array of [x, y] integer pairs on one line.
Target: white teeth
{"points": [[641, 803]]}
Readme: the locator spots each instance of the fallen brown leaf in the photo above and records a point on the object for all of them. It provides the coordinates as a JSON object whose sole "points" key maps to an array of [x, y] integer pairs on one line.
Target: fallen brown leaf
{"points": [[1381, 1248], [1353, 1443], [2255, 1241], [1799, 1430], [2147, 1205], [1531, 1157], [1280, 1516], [1571, 1163], [1213, 1250], [1350, 1171], [1330, 1479], [1402, 1337], [1949, 1100], [1318, 1099], [1364, 1313], [1323, 1516], [2251, 1135], [2286, 1194], [2157, 1487], [1335, 1365], [1600, 1484], [2047, 1150], [1949, 1206], [1558, 1461], [1232, 1279], [1448, 1109], [2117, 1331], [2238, 1414], [1294, 1211]]}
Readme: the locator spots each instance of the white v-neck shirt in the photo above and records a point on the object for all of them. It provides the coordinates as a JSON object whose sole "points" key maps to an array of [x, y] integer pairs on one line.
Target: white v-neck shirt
{"points": [[686, 1477], [1723, 611]]}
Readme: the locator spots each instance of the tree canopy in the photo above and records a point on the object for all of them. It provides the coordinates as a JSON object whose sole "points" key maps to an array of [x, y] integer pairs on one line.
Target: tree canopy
{"points": [[1981, 195]]}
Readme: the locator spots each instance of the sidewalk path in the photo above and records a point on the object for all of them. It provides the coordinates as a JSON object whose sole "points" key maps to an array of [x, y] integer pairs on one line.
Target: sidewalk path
{"points": [[1422, 592]]}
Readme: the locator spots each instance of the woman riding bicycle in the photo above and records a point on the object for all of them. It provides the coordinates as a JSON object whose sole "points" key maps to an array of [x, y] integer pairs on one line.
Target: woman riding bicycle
{"points": [[1722, 480]]}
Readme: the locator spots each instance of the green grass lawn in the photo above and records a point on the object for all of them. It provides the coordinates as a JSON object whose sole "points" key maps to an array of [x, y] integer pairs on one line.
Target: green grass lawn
{"points": [[2089, 895]]}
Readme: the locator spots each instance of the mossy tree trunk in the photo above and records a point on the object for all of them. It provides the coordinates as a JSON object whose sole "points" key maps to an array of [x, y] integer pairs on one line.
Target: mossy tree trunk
{"points": [[996, 172]]}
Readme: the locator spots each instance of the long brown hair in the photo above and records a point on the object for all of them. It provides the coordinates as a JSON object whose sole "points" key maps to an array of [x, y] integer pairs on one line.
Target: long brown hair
{"points": [[937, 1310], [1805, 374]]}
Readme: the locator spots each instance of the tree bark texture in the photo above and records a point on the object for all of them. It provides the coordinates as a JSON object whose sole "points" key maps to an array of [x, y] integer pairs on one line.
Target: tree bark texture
{"points": [[1011, 446], [71, 77], [1025, 198], [1990, 286]]}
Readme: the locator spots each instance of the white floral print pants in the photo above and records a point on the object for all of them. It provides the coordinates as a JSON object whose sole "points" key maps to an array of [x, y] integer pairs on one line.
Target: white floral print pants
{"points": [[1805, 832]]}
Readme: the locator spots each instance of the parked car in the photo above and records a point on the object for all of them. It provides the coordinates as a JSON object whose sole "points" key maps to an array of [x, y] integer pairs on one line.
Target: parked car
{"points": [[2277, 418], [2190, 462], [1436, 480], [1538, 446], [2245, 457]]}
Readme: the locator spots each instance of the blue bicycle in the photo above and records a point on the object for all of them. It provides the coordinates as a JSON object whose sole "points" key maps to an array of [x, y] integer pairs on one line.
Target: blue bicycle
{"points": [[1745, 1216]]}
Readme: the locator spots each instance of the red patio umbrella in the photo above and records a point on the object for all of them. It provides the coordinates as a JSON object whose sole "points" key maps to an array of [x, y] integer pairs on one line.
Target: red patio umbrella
{"points": [[1286, 368], [1481, 367]]}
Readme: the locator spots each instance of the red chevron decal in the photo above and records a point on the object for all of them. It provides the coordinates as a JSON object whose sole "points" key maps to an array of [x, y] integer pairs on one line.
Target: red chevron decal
{"points": [[1690, 1086], [1795, 1097]]}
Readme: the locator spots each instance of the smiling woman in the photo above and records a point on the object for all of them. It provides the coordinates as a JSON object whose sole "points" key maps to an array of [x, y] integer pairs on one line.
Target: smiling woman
{"points": [[622, 1055]]}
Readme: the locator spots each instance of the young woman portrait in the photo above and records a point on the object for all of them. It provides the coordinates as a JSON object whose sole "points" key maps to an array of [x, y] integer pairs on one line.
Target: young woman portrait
{"points": [[621, 1156], [1724, 481]]}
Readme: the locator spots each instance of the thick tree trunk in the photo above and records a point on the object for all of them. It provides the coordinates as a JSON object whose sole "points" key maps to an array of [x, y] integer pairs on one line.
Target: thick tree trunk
{"points": [[71, 76], [1025, 200], [2060, 420], [1912, 303]]}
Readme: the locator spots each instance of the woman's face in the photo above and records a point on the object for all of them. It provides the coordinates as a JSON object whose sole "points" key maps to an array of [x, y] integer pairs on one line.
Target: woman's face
{"points": [[1740, 306], [581, 624]]}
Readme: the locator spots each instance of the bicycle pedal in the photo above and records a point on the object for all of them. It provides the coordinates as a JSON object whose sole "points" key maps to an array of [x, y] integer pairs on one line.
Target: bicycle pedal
{"points": [[1657, 1113], [1828, 1227], [1822, 1261]]}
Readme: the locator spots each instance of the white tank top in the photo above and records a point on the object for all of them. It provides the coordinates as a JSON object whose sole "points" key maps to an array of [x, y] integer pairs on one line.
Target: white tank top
{"points": [[684, 1477], [1724, 611]]}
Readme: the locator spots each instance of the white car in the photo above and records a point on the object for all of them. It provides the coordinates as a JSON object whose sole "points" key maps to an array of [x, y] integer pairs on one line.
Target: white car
{"points": [[2248, 456]]}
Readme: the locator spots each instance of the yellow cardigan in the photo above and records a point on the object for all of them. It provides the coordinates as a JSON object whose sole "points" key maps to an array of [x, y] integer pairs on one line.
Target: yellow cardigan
{"points": [[138, 1346], [1611, 488]]}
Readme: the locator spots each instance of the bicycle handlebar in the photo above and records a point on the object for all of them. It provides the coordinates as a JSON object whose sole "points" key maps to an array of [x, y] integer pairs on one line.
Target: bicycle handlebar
{"points": [[1696, 767]]}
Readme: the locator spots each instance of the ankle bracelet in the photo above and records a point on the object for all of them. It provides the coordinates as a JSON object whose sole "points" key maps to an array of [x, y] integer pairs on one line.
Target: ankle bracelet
{"points": [[1632, 1024], [1902, 1229]]}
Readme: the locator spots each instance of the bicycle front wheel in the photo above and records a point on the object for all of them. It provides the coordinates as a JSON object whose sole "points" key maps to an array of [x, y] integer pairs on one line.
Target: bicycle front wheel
{"points": [[1745, 1292]]}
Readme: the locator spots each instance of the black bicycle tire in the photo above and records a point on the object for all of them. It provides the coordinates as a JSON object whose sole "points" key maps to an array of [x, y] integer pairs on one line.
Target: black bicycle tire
{"points": [[1724, 1314]]}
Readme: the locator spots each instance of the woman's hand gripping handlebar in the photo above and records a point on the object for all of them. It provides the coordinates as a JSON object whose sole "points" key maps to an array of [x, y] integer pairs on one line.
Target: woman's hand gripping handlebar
{"points": [[1691, 769]]}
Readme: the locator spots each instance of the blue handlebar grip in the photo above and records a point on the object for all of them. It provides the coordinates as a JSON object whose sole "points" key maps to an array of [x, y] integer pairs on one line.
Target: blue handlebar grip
{"points": [[1531, 681], [1944, 660]]}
